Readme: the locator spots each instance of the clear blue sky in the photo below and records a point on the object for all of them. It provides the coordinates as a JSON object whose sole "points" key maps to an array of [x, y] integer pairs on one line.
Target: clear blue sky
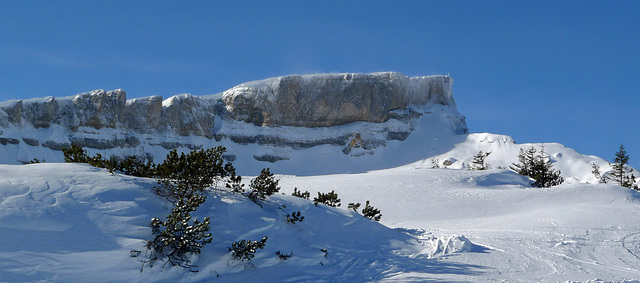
{"points": [[539, 71]]}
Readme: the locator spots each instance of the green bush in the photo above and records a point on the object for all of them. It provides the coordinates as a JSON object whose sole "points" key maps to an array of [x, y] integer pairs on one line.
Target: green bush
{"points": [[262, 186], [300, 194], [245, 250], [185, 174], [371, 212], [330, 199], [178, 236]]}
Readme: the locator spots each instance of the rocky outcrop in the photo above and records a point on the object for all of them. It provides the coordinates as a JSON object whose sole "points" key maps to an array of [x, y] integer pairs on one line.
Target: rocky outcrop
{"points": [[349, 111], [332, 99], [184, 114]]}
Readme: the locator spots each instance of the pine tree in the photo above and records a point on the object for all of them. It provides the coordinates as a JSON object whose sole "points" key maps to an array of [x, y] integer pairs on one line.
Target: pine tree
{"points": [[479, 163], [178, 236], [300, 194], [185, 174], [330, 199], [620, 170], [262, 186], [538, 167], [371, 212], [526, 159]]}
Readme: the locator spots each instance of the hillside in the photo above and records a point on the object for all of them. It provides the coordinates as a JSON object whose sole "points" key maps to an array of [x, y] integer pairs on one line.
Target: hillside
{"points": [[72, 222]]}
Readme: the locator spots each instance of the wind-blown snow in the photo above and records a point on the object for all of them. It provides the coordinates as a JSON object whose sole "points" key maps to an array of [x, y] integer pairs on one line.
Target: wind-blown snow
{"points": [[73, 222]]}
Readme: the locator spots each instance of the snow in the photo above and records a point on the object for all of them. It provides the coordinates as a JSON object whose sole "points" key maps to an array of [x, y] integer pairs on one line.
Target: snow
{"points": [[73, 222]]}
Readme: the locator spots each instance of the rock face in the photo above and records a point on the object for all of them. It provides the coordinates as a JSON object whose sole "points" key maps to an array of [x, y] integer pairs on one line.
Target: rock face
{"points": [[183, 114], [356, 113], [332, 99]]}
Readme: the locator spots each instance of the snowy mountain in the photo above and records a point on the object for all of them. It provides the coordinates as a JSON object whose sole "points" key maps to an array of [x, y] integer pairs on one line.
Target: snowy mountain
{"points": [[269, 120], [395, 141]]}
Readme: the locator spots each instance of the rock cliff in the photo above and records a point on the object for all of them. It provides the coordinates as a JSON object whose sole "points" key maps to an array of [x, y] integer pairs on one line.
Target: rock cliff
{"points": [[333, 99], [292, 112]]}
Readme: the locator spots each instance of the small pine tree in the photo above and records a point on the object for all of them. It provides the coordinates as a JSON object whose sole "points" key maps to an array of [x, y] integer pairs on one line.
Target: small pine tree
{"points": [[235, 183], [354, 206], [434, 163], [620, 170], [526, 159], [371, 212], [245, 250], [538, 167], [479, 163], [283, 256], [330, 199], [294, 217], [75, 154], [178, 237], [186, 174], [300, 194], [264, 185]]}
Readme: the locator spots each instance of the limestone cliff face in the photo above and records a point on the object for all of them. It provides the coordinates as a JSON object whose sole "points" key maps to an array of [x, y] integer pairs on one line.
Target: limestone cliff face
{"points": [[333, 99], [295, 112], [183, 114]]}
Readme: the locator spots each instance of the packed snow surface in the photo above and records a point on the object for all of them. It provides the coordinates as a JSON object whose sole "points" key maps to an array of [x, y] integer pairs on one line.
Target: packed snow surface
{"points": [[76, 223]]}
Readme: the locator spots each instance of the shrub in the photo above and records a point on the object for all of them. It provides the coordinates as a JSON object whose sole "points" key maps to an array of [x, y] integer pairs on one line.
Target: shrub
{"points": [[620, 169], [185, 174], [284, 256], [300, 194], [262, 186], [294, 217], [479, 163], [75, 154], [354, 206], [538, 167], [245, 250], [183, 178], [330, 199], [177, 237], [235, 183], [371, 212]]}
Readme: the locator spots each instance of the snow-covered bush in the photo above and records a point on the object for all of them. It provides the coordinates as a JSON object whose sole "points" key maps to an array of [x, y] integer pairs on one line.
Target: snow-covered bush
{"points": [[262, 186], [294, 217], [178, 236], [284, 256], [246, 249]]}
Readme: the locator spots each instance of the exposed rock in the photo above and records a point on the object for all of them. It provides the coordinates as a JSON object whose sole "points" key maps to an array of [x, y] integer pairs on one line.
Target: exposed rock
{"points": [[31, 141], [5, 141], [13, 109], [186, 115], [270, 158], [144, 114], [40, 112], [332, 99], [56, 145]]}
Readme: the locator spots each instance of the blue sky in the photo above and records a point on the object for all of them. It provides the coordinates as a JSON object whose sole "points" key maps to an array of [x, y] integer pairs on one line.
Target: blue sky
{"points": [[539, 71]]}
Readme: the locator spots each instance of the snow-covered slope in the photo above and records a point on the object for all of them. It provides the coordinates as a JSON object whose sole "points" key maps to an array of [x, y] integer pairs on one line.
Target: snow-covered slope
{"points": [[573, 232], [75, 223]]}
